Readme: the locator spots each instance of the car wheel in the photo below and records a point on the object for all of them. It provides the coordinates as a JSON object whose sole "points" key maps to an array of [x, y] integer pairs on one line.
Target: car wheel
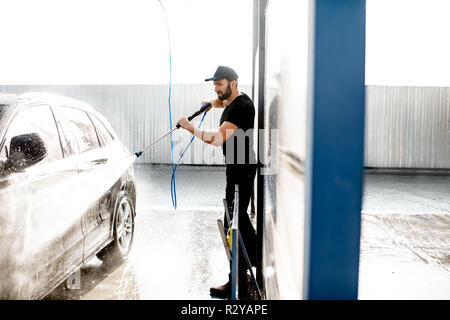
{"points": [[123, 230]]}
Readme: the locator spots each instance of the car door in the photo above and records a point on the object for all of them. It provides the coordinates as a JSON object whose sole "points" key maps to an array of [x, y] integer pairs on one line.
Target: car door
{"points": [[12, 204], [45, 215], [74, 236], [92, 180], [110, 151]]}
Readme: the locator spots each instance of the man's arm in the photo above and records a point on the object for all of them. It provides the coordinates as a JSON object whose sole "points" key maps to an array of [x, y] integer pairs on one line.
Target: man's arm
{"points": [[214, 138]]}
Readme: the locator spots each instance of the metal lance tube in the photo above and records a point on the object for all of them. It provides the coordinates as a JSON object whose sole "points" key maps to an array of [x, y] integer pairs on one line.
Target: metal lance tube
{"points": [[202, 109]]}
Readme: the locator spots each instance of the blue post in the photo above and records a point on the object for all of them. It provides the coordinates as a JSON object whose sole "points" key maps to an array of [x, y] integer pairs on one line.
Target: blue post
{"points": [[335, 150]]}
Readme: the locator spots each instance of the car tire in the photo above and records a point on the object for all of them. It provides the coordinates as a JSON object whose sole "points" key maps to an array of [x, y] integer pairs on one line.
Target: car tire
{"points": [[123, 231]]}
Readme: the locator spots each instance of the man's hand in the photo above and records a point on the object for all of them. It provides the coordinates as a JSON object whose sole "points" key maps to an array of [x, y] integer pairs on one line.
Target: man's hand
{"points": [[185, 124], [216, 103]]}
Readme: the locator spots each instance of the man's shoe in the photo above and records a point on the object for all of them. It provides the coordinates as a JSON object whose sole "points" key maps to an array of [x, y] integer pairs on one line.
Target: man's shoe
{"points": [[223, 291]]}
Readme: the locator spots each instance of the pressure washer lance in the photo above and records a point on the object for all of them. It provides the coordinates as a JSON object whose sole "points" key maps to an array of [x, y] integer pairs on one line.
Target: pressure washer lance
{"points": [[202, 109]]}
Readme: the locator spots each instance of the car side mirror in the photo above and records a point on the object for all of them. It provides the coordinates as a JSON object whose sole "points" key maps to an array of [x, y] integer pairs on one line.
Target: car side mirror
{"points": [[25, 150]]}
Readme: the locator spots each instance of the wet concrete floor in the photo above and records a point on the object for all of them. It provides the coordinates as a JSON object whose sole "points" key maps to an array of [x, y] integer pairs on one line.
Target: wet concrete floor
{"points": [[405, 237], [178, 254]]}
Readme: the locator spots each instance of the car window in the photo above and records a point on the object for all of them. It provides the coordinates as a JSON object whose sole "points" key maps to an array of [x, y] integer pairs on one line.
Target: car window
{"points": [[103, 133], [3, 153], [80, 124], [68, 139], [37, 119], [3, 150]]}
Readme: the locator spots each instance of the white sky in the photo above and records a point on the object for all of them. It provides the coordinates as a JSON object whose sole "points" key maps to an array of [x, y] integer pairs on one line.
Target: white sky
{"points": [[122, 41], [125, 42], [407, 42]]}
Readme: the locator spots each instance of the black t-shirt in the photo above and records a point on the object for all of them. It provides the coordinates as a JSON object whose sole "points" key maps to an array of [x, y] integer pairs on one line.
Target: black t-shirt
{"points": [[241, 113]]}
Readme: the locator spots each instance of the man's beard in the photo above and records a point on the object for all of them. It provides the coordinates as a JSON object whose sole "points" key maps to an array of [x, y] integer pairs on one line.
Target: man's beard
{"points": [[225, 95]]}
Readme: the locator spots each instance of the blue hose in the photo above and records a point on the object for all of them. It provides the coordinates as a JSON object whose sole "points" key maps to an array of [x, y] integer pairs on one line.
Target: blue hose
{"points": [[173, 189], [174, 167]]}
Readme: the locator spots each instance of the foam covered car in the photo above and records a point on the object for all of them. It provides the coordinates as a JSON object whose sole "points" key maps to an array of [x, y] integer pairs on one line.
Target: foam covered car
{"points": [[67, 192]]}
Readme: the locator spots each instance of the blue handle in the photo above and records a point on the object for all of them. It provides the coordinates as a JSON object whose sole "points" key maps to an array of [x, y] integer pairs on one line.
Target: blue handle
{"points": [[206, 106]]}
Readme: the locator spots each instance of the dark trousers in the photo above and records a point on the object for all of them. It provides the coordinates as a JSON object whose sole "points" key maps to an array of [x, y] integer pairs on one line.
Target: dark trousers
{"points": [[244, 177]]}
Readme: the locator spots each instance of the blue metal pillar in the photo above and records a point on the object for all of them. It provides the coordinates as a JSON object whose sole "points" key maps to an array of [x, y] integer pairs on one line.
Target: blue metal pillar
{"points": [[259, 34], [335, 149]]}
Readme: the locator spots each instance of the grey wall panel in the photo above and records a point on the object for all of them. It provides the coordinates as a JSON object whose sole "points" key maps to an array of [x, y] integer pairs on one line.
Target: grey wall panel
{"points": [[407, 127], [139, 114]]}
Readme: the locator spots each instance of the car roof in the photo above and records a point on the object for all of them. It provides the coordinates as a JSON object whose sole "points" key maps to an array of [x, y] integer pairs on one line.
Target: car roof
{"points": [[10, 103], [36, 97]]}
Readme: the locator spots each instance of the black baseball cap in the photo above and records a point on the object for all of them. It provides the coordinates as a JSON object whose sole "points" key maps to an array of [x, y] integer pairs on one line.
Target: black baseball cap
{"points": [[223, 72]]}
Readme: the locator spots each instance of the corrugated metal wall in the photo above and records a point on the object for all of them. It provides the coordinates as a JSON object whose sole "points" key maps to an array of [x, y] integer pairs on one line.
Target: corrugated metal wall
{"points": [[140, 115], [406, 127]]}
